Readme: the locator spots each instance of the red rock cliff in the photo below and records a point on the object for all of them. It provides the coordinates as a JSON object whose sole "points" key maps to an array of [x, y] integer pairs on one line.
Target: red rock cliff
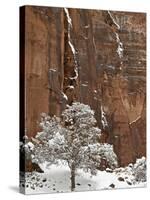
{"points": [[95, 57]]}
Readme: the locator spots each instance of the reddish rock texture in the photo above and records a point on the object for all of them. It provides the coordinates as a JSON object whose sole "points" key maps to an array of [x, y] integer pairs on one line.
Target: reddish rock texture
{"points": [[106, 81]]}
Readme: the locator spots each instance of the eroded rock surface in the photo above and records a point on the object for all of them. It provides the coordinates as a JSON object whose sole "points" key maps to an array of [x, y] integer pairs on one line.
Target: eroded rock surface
{"points": [[95, 57]]}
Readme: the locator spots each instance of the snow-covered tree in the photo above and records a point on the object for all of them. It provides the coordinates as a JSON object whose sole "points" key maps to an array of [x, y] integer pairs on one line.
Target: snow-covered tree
{"points": [[45, 141], [73, 138], [134, 173], [139, 170], [26, 148]]}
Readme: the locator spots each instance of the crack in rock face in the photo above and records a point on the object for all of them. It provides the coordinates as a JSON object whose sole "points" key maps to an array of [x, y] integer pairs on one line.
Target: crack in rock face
{"points": [[120, 48], [71, 44]]}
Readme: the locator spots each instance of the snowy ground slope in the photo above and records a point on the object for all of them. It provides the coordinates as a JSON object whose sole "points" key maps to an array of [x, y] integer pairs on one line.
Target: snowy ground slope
{"points": [[57, 179]]}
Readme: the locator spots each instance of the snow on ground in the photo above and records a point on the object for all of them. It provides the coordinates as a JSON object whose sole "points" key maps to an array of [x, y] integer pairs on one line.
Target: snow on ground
{"points": [[57, 179]]}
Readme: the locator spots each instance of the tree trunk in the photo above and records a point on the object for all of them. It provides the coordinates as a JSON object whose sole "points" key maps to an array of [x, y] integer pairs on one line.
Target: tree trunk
{"points": [[72, 177]]}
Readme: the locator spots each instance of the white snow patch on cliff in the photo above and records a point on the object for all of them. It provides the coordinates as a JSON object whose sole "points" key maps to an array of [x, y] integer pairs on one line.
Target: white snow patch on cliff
{"points": [[65, 96], [71, 44], [114, 21], [68, 16], [120, 46], [103, 118]]}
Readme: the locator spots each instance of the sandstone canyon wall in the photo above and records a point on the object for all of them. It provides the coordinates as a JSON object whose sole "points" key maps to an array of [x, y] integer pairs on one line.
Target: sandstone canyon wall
{"points": [[91, 56]]}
